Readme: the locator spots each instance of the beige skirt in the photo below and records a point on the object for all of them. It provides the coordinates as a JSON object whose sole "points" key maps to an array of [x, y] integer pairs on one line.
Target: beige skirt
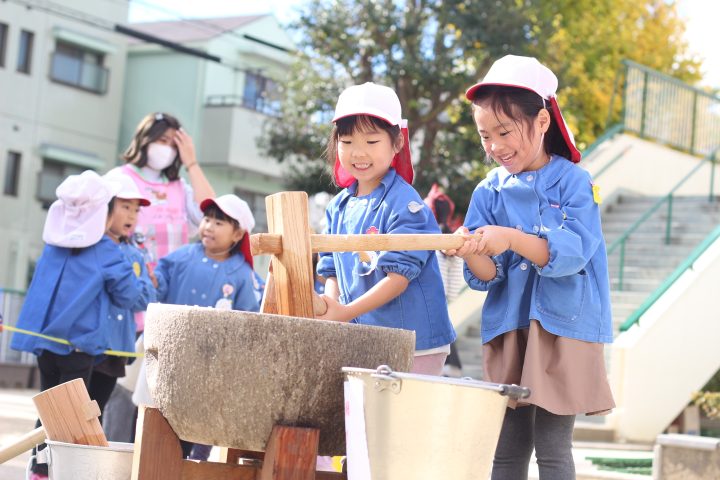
{"points": [[565, 376]]}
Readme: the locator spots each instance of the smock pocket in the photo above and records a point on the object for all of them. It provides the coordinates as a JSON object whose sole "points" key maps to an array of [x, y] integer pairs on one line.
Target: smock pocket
{"points": [[562, 298], [552, 217]]}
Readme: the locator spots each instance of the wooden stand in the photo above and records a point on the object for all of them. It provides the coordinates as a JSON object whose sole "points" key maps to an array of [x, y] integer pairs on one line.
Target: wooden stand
{"points": [[291, 455], [291, 451]]}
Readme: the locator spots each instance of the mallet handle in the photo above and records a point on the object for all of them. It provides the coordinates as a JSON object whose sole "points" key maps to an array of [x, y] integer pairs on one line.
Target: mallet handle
{"points": [[22, 444], [269, 243]]}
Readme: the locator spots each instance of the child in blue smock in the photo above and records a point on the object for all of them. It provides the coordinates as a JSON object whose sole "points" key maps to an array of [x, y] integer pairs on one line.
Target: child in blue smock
{"points": [[124, 215], [79, 276], [390, 289], [216, 271], [539, 252]]}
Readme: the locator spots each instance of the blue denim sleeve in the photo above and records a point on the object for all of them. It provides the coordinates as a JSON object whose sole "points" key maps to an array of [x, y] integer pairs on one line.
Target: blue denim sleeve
{"points": [[245, 298], [478, 215], [326, 262], [575, 240], [476, 284], [404, 221], [121, 284], [147, 289], [163, 270]]}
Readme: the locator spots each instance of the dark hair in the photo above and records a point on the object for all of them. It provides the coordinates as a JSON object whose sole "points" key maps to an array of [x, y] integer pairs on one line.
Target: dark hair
{"points": [[522, 106], [363, 123], [442, 214], [149, 130], [213, 211]]}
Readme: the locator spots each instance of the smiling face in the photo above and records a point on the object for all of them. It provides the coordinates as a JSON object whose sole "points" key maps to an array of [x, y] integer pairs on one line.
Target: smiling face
{"points": [[218, 236], [123, 218], [366, 152], [514, 144]]}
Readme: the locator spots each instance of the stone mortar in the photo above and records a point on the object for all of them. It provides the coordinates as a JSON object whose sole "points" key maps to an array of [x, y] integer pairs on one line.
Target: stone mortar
{"points": [[226, 377]]}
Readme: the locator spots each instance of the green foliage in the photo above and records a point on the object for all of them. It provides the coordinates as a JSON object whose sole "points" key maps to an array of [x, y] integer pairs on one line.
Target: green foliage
{"points": [[431, 51], [709, 403]]}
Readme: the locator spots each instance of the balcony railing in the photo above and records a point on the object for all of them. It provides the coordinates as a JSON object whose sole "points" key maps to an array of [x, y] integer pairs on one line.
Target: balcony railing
{"points": [[73, 71]]}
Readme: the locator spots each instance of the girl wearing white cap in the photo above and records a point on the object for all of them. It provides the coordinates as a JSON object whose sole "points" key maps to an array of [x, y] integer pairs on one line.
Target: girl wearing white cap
{"points": [[369, 148], [124, 213], [539, 252], [217, 270], [79, 276]]}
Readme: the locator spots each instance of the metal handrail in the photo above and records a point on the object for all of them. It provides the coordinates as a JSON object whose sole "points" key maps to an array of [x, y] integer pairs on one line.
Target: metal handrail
{"points": [[606, 135], [621, 241], [669, 281]]}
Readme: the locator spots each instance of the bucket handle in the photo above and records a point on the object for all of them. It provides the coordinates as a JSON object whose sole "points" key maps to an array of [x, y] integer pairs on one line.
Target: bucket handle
{"points": [[514, 391], [384, 380]]}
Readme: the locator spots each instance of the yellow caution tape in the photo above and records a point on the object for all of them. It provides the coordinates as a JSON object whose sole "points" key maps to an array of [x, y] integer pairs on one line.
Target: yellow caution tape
{"points": [[65, 342]]}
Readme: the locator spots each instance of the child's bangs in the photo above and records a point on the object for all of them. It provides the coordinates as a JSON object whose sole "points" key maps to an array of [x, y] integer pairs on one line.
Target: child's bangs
{"points": [[214, 212], [361, 123]]}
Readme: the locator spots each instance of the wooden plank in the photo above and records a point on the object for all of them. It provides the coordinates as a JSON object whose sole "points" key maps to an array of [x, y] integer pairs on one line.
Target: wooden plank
{"points": [[158, 455], [269, 243], [292, 268], [291, 454], [194, 470], [68, 414], [269, 301]]}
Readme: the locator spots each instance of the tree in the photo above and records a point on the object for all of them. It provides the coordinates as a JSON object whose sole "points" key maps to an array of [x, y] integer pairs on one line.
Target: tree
{"points": [[585, 41], [430, 51]]}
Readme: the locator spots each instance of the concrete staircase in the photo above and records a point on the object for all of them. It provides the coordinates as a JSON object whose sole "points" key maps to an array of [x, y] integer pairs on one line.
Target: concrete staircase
{"points": [[648, 259]]}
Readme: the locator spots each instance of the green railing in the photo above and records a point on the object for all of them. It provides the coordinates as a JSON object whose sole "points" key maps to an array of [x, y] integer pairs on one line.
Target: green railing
{"points": [[621, 241], [663, 108], [607, 135], [665, 286]]}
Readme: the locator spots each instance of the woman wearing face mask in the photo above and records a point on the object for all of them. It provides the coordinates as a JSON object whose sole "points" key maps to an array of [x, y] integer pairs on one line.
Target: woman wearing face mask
{"points": [[159, 148]]}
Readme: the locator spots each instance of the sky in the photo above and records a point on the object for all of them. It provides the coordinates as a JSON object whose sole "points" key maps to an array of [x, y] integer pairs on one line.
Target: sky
{"points": [[701, 17]]}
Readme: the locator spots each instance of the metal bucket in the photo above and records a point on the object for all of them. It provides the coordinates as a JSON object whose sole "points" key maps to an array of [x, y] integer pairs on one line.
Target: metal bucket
{"points": [[70, 461], [402, 425]]}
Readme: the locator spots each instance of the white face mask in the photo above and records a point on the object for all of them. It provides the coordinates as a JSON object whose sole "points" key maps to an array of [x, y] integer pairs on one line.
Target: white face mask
{"points": [[160, 156]]}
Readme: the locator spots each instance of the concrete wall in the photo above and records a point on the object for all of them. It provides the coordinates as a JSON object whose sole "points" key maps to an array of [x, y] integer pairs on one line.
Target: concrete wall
{"points": [[159, 80], [647, 168], [658, 364]]}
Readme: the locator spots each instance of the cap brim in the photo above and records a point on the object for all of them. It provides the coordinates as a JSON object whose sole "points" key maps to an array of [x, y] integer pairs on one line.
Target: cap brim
{"points": [[472, 91], [144, 202], [212, 201], [370, 113]]}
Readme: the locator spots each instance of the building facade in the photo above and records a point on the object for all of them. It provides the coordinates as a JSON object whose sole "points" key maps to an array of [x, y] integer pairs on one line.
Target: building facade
{"points": [[222, 104], [61, 86], [72, 92]]}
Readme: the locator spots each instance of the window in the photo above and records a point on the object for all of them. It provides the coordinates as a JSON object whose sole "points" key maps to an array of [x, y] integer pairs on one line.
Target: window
{"points": [[256, 202], [51, 176], [3, 42], [261, 94], [12, 174], [25, 52], [78, 67]]}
